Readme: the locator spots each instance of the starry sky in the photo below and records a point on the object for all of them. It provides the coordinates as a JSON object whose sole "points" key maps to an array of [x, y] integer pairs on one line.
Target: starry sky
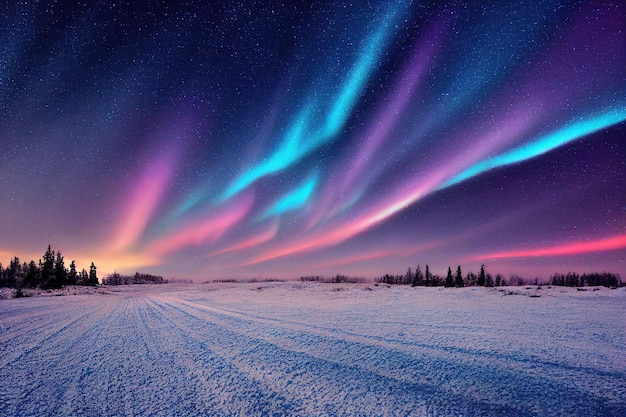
{"points": [[212, 140]]}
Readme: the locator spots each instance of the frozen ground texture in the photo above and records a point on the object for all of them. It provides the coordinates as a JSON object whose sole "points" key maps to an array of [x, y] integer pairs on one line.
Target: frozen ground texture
{"points": [[314, 350]]}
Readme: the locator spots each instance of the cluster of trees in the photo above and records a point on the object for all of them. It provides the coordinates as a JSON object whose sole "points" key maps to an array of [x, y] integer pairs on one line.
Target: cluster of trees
{"points": [[428, 279], [572, 279], [50, 272], [457, 279], [337, 279], [239, 280], [118, 279]]}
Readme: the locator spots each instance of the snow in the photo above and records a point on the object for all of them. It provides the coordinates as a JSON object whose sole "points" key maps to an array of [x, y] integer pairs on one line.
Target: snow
{"points": [[311, 349]]}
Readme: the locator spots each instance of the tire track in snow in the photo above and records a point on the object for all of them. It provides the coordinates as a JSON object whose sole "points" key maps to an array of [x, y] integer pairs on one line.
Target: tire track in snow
{"points": [[33, 335], [440, 349], [221, 386], [144, 353], [338, 376], [46, 368], [465, 380]]}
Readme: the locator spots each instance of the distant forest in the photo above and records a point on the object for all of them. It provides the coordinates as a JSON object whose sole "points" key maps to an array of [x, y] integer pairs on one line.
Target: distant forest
{"points": [[427, 279], [50, 272], [118, 279], [457, 279]]}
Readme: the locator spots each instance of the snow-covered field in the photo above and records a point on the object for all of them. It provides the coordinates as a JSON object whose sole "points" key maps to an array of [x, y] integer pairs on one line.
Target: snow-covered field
{"points": [[313, 349]]}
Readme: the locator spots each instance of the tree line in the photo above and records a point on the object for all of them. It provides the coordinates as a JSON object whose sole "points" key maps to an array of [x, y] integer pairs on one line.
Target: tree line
{"points": [[49, 273], [118, 279], [337, 279], [572, 279], [457, 279]]}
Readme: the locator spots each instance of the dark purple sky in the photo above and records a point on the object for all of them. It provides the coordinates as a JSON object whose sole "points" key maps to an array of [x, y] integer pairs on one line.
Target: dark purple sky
{"points": [[257, 139]]}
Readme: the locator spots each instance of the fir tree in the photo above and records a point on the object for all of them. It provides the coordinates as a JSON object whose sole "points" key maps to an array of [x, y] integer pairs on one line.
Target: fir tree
{"points": [[436, 280], [428, 278], [481, 277], [13, 272], [32, 276], [499, 280], [60, 272], [83, 278], [408, 277], [47, 269], [458, 281], [72, 276], [93, 277], [449, 279], [489, 281], [418, 279]]}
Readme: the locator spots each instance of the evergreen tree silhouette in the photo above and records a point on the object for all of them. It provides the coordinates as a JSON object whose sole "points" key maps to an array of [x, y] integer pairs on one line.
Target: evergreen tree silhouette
{"points": [[13, 273], [47, 269], [60, 272], [83, 278], [481, 277], [449, 279], [428, 279], [458, 281], [93, 277], [72, 276], [32, 275], [418, 279], [489, 281], [499, 280]]}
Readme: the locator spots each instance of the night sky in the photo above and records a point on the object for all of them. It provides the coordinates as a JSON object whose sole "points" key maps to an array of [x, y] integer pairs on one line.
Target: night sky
{"points": [[265, 139]]}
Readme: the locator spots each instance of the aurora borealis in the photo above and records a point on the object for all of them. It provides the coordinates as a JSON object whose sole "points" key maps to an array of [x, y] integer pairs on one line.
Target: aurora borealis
{"points": [[267, 139]]}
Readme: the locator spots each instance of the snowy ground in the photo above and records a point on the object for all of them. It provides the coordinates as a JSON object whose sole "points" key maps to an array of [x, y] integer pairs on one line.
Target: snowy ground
{"points": [[313, 349]]}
